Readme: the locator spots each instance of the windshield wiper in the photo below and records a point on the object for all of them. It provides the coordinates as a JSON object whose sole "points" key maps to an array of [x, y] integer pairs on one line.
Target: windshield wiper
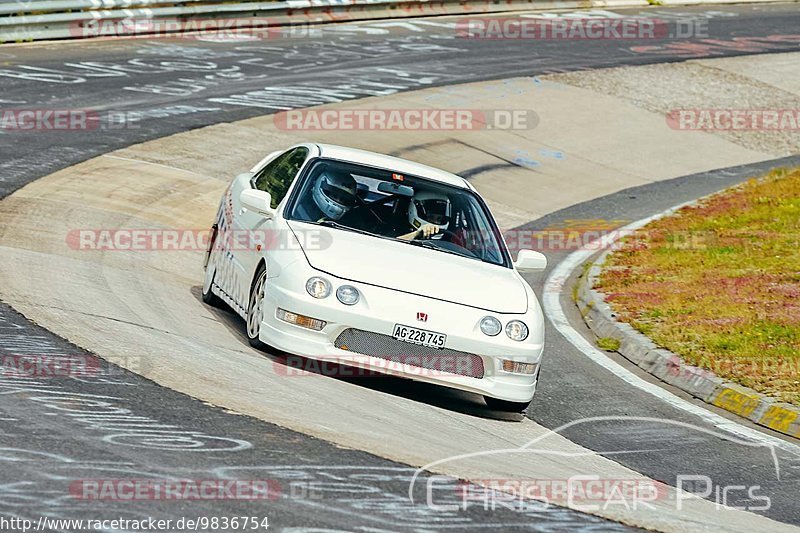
{"points": [[333, 224], [430, 246], [421, 244]]}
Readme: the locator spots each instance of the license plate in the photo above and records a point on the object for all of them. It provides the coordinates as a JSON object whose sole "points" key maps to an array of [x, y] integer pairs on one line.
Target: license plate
{"points": [[422, 337]]}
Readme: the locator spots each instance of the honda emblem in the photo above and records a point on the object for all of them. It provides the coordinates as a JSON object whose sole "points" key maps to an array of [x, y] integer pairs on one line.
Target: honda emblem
{"points": [[422, 317]]}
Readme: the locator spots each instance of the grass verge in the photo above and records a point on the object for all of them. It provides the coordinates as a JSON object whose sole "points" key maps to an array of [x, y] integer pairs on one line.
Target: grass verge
{"points": [[719, 284], [609, 344]]}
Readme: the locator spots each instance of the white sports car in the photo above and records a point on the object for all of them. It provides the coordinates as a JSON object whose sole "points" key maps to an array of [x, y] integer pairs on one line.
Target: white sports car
{"points": [[375, 262]]}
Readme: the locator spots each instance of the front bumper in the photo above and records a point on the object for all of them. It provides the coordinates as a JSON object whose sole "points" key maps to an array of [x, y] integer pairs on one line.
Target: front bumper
{"points": [[375, 316]]}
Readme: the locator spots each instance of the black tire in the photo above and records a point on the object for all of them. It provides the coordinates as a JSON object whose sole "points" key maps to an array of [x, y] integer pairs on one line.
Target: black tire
{"points": [[496, 404], [255, 303], [209, 298]]}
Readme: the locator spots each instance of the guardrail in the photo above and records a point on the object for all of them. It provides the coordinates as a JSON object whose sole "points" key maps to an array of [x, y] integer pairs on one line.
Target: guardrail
{"points": [[28, 20]]}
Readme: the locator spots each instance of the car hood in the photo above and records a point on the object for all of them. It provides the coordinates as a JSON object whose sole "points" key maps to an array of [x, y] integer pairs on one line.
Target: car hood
{"points": [[403, 267]]}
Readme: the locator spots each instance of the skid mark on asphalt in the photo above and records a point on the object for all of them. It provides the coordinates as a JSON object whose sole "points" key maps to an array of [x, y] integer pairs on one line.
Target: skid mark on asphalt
{"points": [[142, 161], [115, 427]]}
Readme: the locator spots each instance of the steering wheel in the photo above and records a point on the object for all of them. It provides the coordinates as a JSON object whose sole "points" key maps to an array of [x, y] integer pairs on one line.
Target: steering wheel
{"points": [[447, 243], [370, 210], [443, 232]]}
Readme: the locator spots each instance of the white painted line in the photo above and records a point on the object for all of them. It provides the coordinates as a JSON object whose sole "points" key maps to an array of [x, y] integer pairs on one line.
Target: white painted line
{"points": [[552, 308]]}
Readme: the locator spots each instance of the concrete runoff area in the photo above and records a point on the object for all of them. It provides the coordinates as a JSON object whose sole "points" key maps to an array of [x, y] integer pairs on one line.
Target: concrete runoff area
{"points": [[123, 304]]}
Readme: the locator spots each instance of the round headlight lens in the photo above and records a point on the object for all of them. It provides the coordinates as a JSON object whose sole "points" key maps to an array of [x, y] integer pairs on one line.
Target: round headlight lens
{"points": [[490, 326], [318, 287], [517, 330], [347, 295]]}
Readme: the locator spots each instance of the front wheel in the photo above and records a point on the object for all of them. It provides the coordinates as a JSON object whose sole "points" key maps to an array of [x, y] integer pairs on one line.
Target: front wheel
{"points": [[255, 308], [507, 407]]}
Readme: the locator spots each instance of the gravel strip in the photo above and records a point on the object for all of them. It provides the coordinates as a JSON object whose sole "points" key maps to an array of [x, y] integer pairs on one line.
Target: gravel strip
{"points": [[699, 85]]}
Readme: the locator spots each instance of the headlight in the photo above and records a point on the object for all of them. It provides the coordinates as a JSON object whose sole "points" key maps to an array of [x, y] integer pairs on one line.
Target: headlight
{"points": [[490, 326], [517, 330], [318, 287], [347, 295]]}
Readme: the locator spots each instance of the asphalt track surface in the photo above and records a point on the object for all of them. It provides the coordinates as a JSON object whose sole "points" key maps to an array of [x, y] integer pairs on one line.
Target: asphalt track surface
{"points": [[176, 85]]}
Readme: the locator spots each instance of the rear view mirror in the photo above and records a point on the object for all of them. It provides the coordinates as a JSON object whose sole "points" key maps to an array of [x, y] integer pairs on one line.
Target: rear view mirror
{"points": [[530, 261], [362, 190], [395, 188], [258, 201]]}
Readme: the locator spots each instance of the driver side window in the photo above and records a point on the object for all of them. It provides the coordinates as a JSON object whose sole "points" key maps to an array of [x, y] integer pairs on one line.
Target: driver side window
{"points": [[276, 177]]}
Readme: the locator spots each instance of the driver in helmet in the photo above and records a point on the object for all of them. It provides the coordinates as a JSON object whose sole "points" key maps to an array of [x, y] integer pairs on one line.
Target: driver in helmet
{"points": [[334, 193], [428, 214]]}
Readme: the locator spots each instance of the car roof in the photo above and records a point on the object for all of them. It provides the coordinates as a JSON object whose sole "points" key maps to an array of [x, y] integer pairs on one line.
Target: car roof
{"points": [[387, 162]]}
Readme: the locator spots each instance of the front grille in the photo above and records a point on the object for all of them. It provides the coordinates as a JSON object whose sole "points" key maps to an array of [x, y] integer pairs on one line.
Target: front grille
{"points": [[391, 349]]}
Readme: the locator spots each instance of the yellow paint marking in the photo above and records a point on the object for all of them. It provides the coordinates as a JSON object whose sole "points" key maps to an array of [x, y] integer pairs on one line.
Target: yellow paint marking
{"points": [[737, 402], [778, 418]]}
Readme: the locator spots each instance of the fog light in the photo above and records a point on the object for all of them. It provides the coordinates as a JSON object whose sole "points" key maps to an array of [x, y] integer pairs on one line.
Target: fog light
{"points": [[519, 368], [490, 326], [347, 295], [516, 330], [318, 287], [300, 320]]}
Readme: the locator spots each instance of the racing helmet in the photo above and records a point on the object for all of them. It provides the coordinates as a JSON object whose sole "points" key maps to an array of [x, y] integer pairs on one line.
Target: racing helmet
{"points": [[334, 192], [429, 207]]}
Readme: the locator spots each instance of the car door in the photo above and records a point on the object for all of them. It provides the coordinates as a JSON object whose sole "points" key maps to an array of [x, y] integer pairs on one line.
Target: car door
{"points": [[253, 233]]}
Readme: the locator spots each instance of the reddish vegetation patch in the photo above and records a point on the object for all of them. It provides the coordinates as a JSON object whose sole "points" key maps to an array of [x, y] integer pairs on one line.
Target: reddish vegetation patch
{"points": [[720, 283]]}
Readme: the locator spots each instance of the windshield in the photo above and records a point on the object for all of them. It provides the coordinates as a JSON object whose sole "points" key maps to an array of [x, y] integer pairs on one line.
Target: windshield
{"points": [[390, 205]]}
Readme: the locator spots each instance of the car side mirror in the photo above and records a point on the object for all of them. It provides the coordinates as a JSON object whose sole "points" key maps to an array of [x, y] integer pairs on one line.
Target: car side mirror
{"points": [[530, 261], [258, 201]]}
